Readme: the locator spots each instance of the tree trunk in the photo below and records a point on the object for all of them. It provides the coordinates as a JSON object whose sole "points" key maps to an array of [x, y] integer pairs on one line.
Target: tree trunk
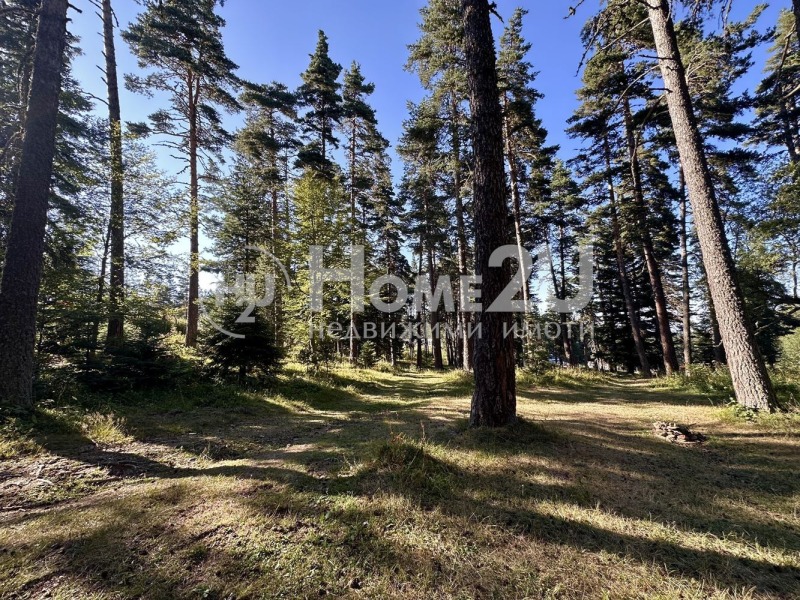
{"points": [[116, 288], [463, 317], [353, 340], [91, 353], [622, 271], [516, 208], [433, 317], [653, 268], [516, 203], [193, 310], [494, 402], [22, 274], [748, 371], [796, 9], [686, 305], [566, 340]]}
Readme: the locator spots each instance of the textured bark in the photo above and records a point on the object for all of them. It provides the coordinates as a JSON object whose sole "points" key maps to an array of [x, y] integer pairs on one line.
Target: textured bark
{"points": [[193, 309], [494, 402], [751, 381], [116, 288], [622, 271], [653, 268], [22, 274], [686, 304]]}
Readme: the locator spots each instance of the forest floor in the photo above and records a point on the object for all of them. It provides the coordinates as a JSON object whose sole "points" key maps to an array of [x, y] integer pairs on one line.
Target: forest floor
{"points": [[370, 485]]}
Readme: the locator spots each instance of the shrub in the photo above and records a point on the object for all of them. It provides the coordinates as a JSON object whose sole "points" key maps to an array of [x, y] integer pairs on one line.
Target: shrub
{"points": [[251, 351], [367, 357]]}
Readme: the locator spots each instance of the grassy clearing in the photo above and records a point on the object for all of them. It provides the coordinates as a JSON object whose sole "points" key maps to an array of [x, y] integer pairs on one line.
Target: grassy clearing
{"points": [[369, 484]]}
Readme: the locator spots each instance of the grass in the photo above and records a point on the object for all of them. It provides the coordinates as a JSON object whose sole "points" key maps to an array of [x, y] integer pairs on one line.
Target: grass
{"points": [[369, 484]]}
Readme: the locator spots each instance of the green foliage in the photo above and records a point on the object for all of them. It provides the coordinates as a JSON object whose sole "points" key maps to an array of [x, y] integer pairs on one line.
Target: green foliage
{"points": [[319, 93], [703, 379], [367, 357], [790, 354], [251, 350]]}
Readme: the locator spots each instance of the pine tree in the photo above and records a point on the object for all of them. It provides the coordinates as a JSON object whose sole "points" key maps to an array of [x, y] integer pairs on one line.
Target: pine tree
{"points": [[428, 217], [182, 41], [360, 126], [750, 378], [116, 321], [494, 401], [319, 93], [529, 160], [594, 122], [778, 114], [22, 271], [438, 59]]}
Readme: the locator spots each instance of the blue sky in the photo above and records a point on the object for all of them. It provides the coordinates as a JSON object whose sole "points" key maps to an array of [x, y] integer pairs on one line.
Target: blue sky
{"points": [[271, 40]]}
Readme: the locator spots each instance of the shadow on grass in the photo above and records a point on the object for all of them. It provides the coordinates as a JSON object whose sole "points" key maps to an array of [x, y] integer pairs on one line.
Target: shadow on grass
{"points": [[609, 467]]}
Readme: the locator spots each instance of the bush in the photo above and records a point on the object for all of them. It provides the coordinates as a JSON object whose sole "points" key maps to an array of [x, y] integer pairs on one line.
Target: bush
{"points": [[367, 357]]}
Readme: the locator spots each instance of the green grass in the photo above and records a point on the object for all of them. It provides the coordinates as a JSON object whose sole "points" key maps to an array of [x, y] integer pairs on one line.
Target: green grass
{"points": [[369, 484]]}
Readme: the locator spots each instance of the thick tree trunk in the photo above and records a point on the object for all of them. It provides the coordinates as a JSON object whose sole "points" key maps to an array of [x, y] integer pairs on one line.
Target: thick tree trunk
{"points": [[622, 271], [653, 268], [748, 371], [193, 310], [22, 274], [494, 402], [116, 288], [686, 304]]}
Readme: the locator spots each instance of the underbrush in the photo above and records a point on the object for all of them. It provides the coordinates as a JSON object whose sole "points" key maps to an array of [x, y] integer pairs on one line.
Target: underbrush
{"points": [[701, 379], [567, 377]]}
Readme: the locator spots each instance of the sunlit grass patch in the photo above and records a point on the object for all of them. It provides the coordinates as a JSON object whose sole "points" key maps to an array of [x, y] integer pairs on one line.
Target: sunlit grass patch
{"points": [[105, 429], [359, 483]]}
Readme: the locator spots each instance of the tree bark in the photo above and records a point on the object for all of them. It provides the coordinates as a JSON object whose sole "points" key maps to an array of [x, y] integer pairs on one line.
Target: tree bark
{"points": [[686, 304], [494, 402], [116, 288], [751, 381], [22, 274], [622, 271], [193, 309], [653, 268], [796, 9]]}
